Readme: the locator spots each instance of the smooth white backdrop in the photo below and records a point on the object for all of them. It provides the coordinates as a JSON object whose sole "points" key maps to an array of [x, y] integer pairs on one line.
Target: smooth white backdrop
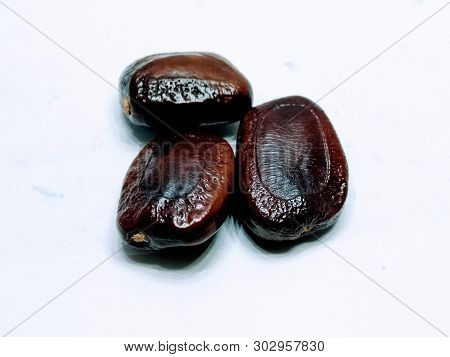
{"points": [[65, 149]]}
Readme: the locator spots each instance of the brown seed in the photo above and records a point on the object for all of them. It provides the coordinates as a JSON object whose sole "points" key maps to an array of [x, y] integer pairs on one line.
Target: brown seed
{"points": [[184, 90], [293, 173], [176, 191]]}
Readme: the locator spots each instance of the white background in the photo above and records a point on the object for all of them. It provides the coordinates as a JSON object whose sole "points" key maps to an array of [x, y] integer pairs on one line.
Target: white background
{"points": [[65, 149]]}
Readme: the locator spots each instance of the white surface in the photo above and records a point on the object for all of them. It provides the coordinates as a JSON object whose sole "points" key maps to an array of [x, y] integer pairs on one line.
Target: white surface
{"points": [[65, 150]]}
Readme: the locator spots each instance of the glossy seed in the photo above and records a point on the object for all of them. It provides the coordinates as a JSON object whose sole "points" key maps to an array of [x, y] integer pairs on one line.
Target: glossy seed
{"points": [[293, 174], [182, 90], [176, 191]]}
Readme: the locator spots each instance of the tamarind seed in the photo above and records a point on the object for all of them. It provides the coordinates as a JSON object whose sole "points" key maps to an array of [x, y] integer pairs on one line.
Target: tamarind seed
{"points": [[184, 90], [293, 173], [175, 192]]}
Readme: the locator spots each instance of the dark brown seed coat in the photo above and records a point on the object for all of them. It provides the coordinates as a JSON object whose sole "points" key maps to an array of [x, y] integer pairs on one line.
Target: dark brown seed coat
{"points": [[176, 191], [184, 90], [293, 173]]}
